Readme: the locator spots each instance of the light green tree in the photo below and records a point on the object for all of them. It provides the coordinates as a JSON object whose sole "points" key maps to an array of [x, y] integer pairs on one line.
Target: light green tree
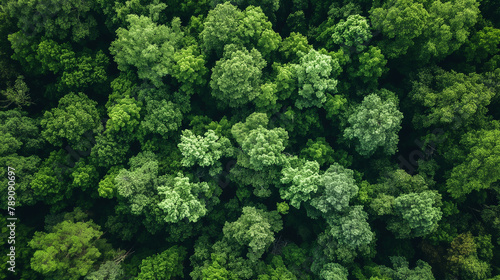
{"points": [[375, 123], [148, 47], [479, 168], [301, 182], [237, 77], [165, 265], [67, 252], [315, 77], [417, 214], [184, 199], [353, 33]]}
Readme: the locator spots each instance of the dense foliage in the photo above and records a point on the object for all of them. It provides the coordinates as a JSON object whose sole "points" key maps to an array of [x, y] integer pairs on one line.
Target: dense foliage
{"points": [[246, 139]]}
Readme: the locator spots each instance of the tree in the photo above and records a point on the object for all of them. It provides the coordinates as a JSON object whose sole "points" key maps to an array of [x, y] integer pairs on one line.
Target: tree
{"points": [[226, 24], [220, 28], [137, 185], [447, 29], [148, 47], [61, 20], [204, 151], [17, 94], [260, 147], [109, 270], [254, 229], [448, 96], [165, 265], [463, 258], [75, 70], [318, 150], [125, 117], [277, 271], [479, 167], [184, 200], [370, 66], [67, 252], [74, 116], [255, 30], [375, 123], [236, 78], [337, 188], [402, 271], [304, 181], [352, 33], [161, 117], [401, 21], [417, 214], [315, 79], [333, 271]]}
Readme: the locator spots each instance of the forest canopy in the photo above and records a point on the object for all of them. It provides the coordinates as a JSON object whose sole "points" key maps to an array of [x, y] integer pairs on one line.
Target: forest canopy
{"points": [[244, 139]]}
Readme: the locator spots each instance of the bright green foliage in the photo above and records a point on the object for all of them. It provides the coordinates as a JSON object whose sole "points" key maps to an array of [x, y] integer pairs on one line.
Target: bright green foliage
{"points": [[401, 21], [67, 252], [371, 65], [84, 175], [255, 30], [161, 117], [148, 47], [107, 186], [189, 68], [124, 116], [226, 24], [254, 229], [204, 151], [333, 271], [450, 95], [338, 187], [18, 94], [315, 78], [236, 78], [183, 200], [352, 33], [74, 116], [285, 80], [109, 270], [401, 270], [375, 123], [261, 147], [318, 150], [293, 45], [483, 44], [417, 214], [56, 19], [220, 27], [166, 265], [277, 271], [121, 9], [448, 27], [479, 169], [303, 181], [264, 147]]}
